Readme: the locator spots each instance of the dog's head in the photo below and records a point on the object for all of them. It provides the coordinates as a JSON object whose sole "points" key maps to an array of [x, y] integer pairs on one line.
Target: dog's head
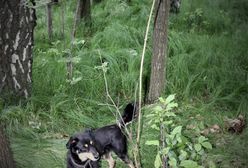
{"points": [[83, 146]]}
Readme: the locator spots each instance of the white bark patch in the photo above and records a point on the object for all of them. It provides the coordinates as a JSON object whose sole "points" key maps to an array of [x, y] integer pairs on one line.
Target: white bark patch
{"points": [[29, 42], [29, 71], [13, 69], [29, 66], [31, 14], [17, 40], [28, 78], [16, 84], [20, 65], [27, 19], [3, 80], [5, 48], [24, 54], [26, 35], [10, 16], [26, 93], [15, 58], [21, 21], [7, 36]]}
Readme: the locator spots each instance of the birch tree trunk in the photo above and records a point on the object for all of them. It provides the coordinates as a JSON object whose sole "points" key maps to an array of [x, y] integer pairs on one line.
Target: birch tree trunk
{"points": [[157, 79], [17, 23], [6, 157]]}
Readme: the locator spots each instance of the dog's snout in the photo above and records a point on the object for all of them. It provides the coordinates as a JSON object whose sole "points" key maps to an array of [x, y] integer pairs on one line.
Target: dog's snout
{"points": [[96, 155]]}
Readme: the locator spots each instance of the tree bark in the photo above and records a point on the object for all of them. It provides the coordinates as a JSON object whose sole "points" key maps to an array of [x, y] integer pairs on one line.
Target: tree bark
{"points": [[157, 79], [17, 23], [6, 156], [49, 21], [85, 13], [69, 63]]}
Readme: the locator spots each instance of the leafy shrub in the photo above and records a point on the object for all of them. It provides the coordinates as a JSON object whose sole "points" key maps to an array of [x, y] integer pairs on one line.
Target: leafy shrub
{"points": [[174, 147]]}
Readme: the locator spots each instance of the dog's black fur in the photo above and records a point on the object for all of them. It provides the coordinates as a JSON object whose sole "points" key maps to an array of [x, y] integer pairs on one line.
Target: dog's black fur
{"points": [[99, 143]]}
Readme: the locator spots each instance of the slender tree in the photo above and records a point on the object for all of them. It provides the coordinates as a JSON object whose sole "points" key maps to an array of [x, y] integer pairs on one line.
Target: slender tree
{"points": [[49, 20], [6, 156], [157, 79], [17, 23]]}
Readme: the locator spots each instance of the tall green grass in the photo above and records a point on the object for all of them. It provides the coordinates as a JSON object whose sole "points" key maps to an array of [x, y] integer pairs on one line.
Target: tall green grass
{"points": [[206, 68]]}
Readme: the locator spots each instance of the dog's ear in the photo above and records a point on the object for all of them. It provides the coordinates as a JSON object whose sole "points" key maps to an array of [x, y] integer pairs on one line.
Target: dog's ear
{"points": [[72, 142]]}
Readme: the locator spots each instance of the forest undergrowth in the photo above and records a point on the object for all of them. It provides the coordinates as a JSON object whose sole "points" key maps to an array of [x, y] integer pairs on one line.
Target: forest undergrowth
{"points": [[207, 69]]}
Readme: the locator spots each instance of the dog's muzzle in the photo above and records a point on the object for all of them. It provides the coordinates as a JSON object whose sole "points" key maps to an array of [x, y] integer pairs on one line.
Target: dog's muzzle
{"points": [[91, 155]]}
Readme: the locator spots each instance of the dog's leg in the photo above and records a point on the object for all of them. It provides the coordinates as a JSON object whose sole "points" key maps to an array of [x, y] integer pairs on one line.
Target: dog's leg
{"points": [[110, 160]]}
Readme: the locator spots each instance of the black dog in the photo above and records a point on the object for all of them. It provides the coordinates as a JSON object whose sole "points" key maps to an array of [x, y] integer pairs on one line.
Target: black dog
{"points": [[87, 148]]}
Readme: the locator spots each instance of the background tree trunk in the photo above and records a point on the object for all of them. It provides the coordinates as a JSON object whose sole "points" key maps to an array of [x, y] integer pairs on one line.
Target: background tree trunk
{"points": [[49, 21], [157, 79], [17, 24], [85, 12], [6, 157]]}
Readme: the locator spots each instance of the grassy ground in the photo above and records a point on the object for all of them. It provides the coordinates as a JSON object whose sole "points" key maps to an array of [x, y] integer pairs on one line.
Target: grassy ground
{"points": [[207, 69]]}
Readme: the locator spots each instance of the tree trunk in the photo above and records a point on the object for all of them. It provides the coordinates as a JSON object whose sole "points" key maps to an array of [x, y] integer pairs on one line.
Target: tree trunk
{"points": [[63, 22], [85, 13], [6, 157], [49, 21], [69, 64], [17, 24], [157, 79], [96, 1]]}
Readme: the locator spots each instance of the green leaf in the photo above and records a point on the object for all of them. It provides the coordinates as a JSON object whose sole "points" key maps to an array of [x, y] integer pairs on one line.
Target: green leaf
{"points": [[197, 147], [150, 115], [161, 99], [53, 51], [169, 99], [166, 150], [168, 122], [152, 142], [201, 125], [211, 164], [158, 109], [177, 130], [170, 106], [75, 80], [170, 114], [158, 162], [183, 155], [179, 139], [202, 139], [189, 164], [207, 145], [154, 126], [172, 162]]}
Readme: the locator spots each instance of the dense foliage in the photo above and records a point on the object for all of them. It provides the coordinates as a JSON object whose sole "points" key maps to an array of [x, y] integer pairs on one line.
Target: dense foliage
{"points": [[207, 69]]}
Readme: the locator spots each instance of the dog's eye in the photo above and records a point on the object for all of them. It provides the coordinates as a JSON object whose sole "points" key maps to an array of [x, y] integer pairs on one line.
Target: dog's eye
{"points": [[86, 145], [91, 142]]}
